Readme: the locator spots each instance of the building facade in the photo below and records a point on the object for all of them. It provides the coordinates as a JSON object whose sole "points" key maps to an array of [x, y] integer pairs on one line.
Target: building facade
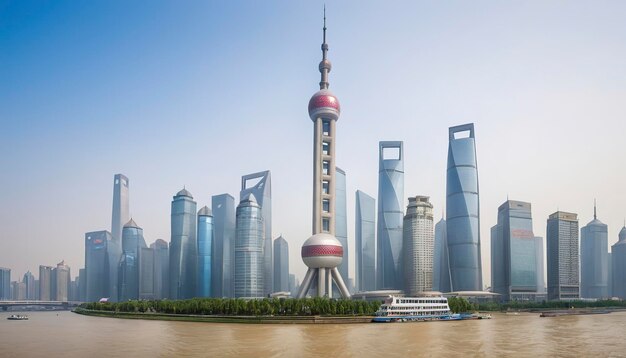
{"points": [[563, 256], [61, 282], [418, 246], [441, 263], [541, 259], [365, 242], [618, 263], [249, 246], [97, 265], [132, 242], [146, 278], [183, 246], [463, 211], [121, 210], [222, 269], [29, 282], [45, 283], [390, 215], [594, 259], [5, 284], [281, 265], [341, 219], [205, 243], [161, 269], [513, 253]]}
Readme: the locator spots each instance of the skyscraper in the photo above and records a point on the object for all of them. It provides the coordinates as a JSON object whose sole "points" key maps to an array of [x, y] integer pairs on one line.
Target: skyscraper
{"points": [[161, 269], [594, 259], [5, 284], [205, 242], [513, 253], [146, 274], [618, 263], [322, 252], [341, 219], [82, 285], [281, 265], [390, 215], [222, 270], [365, 242], [97, 265], [540, 256], [418, 246], [183, 247], [441, 263], [132, 242], [249, 246], [45, 283], [120, 206], [61, 282], [260, 184], [462, 211], [563, 257], [29, 282]]}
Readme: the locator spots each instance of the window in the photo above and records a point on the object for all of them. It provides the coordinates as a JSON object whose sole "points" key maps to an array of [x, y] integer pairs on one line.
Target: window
{"points": [[325, 187], [326, 127], [326, 148], [325, 225], [326, 205], [325, 167]]}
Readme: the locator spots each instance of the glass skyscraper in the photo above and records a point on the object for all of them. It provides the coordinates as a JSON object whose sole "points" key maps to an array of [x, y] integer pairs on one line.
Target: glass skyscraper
{"points": [[341, 219], [390, 215], [97, 265], [281, 265], [260, 184], [61, 282], [441, 264], [132, 243], [541, 281], [161, 269], [462, 211], [205, 242], [563, 256], [618, 263], [45, 283], [222, 271], [249, 245], [183, 247], [417, 246], [29, 281], [5, 284], [365, 242], [594, 259], [120, 214], [513, 253]]}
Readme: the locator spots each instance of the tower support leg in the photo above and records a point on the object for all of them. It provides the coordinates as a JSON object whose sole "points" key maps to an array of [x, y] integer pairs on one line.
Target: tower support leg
{"points": [[321, 284], [342, 286], [306, 283]]}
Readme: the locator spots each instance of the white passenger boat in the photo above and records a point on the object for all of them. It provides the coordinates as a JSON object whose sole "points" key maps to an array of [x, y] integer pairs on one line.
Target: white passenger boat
{"points": [[402, 309]]}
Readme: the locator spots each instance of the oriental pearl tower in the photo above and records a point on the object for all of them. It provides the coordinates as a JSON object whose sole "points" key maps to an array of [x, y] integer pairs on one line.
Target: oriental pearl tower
{"points": [[322, 252]]}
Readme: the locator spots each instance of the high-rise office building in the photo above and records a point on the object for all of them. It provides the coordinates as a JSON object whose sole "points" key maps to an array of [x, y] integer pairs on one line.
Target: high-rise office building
{"points": [[147, 273], [183, 247], [249, 246], [441, 263], [281, 265], [594, 259], [82, 285], [418, 246], [365, 242], [462, 211], [618, 263], [390, 215], [5, 284], [610, 256], [222, 270], [563, 256], [18, 291], [205, 243], [341, 219], [45, 283], [29, 282], [61, 282], [132, 242], [260, 184], [513, 253], [540, 257], [322, 252], [97, 265], [120, 206], [161, 269]]}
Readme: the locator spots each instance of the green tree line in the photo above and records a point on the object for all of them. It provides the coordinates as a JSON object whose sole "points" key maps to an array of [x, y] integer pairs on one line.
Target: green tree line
{"points": [[241, 307], [461, 305], [526, 305]]}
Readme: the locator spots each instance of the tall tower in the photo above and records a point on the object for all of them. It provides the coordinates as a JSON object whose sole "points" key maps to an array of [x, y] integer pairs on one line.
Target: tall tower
{"points": [[322, 252], [563, 256], [183, 247], [249, 246], [418, 246], [205, 253], [120, 206], [222, 270], [365, 242], [594, 259]]}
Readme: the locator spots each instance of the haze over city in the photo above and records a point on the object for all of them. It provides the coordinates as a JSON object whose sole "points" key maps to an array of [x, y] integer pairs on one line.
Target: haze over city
{"points": [[197, 96]]}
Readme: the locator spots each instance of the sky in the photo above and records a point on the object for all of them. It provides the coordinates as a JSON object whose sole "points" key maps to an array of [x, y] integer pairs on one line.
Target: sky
{"points": [[196, 94]]}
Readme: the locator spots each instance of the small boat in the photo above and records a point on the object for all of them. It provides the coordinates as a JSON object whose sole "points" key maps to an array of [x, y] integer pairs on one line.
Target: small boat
{"points": [[17, 317]]}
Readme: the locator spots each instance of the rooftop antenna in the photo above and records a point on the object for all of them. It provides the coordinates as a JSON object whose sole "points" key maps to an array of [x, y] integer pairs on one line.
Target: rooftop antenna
{"points": [[595, 216]]}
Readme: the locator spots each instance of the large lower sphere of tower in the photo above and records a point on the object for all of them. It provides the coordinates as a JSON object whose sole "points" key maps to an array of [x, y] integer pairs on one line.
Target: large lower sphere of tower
{"points": [[324, 104], [322, 250]]}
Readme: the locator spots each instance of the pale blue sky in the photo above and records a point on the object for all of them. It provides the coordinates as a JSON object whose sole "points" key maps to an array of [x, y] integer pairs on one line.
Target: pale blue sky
{"points": [[199, 93]]}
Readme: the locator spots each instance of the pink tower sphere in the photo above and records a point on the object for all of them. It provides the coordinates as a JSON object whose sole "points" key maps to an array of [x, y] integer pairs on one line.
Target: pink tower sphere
{"points": [[324, 104], [322, 250]]}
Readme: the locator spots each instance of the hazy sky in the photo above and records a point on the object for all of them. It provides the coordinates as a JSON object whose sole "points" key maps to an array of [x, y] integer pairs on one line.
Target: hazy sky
{"points": [[199, 93]]}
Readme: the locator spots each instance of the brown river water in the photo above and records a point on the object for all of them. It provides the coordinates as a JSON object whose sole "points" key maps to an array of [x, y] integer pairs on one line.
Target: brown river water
{"points": [[66, 334]]}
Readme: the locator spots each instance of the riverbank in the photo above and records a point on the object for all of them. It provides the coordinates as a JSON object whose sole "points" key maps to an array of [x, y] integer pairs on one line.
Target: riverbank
{"points": [[228, 319]]}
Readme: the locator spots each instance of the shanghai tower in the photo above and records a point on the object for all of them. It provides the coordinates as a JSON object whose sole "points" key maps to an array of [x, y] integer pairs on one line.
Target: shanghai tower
{"points": [[462, 211]]}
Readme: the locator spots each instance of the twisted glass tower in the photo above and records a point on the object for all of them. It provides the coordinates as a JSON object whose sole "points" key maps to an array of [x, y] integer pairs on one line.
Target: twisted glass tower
{"points": [[462, 211], [390, 215]]}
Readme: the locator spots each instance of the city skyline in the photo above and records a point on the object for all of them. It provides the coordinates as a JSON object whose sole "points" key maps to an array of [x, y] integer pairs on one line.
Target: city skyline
{"points": [[525, 173]]}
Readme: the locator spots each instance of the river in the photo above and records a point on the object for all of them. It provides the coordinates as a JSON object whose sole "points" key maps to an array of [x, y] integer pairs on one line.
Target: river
{"points": [[66, 334]]}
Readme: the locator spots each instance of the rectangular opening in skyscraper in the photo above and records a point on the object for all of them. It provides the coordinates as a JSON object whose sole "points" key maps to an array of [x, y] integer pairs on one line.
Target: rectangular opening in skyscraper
{"points": [[391, 153], [462, 134]]}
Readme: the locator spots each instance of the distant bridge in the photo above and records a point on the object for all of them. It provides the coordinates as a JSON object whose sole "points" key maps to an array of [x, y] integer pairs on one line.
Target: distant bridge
{"points": [[4, 305]]}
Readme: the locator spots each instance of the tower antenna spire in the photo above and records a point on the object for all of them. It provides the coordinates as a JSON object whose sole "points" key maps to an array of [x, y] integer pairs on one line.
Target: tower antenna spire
{"points": [[595, 216], [325, 65]]}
